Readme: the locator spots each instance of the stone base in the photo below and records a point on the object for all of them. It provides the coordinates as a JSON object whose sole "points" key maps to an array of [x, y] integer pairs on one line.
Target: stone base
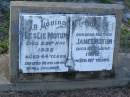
{"points": [[122, 78]]}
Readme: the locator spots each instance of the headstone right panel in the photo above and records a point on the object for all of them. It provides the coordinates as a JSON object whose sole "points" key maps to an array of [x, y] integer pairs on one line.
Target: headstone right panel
{"points": [[93, 40]]}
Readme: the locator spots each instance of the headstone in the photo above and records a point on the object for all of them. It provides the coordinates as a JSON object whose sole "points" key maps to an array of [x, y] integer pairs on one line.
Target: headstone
{"points": [[93, 42], [49, 41], [43, 43], [63, 42]]}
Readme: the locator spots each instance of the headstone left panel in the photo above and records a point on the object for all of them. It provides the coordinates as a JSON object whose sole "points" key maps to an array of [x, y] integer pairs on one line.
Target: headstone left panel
{"points": [[43, 42]]}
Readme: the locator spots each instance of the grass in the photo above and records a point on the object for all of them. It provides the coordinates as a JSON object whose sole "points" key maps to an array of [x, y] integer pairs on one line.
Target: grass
{"points": [[127, 2], [125, 38], [4, 45], [4, 28], [129, 22]]}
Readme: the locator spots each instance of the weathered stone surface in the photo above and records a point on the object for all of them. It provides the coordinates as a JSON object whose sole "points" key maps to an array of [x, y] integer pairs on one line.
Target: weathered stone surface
{"points": [[4, 69], [122, 78], [51, 43], [126, 17], [123, 68], [93, 42], [43, 43], [45, 7]]}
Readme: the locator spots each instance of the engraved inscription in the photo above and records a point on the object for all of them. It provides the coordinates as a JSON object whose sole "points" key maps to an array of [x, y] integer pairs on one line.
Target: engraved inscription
{"points": [[43, 43], [93, 42], [65, 42]]}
